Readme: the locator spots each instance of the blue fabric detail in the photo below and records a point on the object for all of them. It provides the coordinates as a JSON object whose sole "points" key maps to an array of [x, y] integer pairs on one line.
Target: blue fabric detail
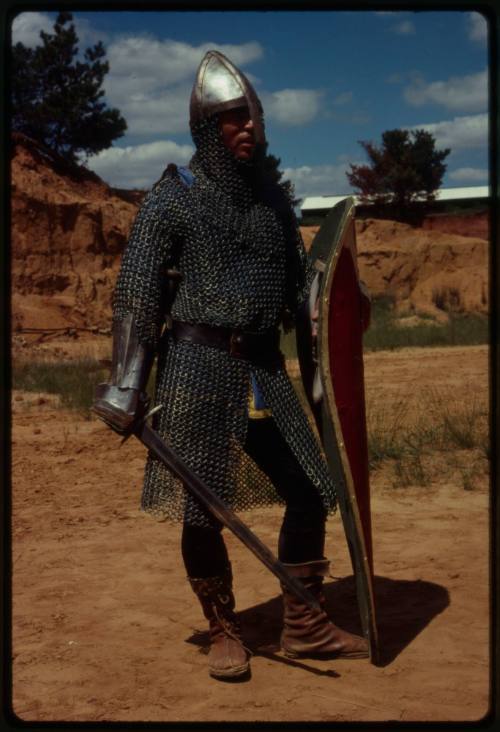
{"points": [[186, 175], [257, 394]]}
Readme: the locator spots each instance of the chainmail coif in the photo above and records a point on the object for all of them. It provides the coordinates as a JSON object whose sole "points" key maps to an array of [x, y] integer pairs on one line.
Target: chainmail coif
{"points": [[234, 238]]}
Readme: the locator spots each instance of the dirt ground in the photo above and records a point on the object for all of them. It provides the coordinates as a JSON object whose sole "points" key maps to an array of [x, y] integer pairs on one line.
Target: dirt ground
{"points": [[105, 626]]}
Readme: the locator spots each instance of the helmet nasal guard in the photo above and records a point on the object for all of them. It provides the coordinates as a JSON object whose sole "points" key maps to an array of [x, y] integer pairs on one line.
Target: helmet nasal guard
{"points": [[220, 86]]}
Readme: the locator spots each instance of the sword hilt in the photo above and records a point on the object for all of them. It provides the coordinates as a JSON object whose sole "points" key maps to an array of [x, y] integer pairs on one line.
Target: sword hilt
{"points": [[140, 422]]}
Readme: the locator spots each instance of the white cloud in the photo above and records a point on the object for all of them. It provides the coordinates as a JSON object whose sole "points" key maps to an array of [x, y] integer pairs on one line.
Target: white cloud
{"points": [[404, 28], [470, 175], [318, 180], [467, 93], [166, 110], [168, 62], [138, 166], [460, 132], [26, 28], [292, 106], [477, 27], [163, 111], [150, 80]]}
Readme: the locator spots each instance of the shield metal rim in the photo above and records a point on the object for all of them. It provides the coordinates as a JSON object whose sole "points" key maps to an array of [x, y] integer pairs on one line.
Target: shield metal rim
{"points": [[347, 501]]}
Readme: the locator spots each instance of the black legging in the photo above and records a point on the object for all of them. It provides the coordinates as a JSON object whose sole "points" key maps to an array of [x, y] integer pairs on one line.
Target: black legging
{"points": [[302, 534]]}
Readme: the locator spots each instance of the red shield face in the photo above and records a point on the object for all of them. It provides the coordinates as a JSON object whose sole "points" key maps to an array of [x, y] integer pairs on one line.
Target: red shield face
{"points": [[341, 361], [341, 410]]}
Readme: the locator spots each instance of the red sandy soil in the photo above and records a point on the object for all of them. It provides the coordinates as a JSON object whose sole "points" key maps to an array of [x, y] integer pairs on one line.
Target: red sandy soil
{"points": [[105, 626]]}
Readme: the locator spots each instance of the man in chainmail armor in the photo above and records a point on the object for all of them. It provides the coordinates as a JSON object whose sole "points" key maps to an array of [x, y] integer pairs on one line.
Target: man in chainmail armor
{"points": [[215, 252]]}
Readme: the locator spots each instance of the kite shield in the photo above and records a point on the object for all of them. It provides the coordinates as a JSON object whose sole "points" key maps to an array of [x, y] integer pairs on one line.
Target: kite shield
{"points": [[340, 413]]}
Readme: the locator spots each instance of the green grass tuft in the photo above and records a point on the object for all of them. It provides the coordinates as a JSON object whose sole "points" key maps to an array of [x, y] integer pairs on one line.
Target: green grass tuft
{"points": [[74, 381], [407, 436], [385, 333], [402, 433], [385, 431]]}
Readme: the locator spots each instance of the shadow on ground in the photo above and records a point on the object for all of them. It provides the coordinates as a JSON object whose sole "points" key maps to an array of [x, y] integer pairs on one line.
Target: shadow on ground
{"points": [[404, 608]]}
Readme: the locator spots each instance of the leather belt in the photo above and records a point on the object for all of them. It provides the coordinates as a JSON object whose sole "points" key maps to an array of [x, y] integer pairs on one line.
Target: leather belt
{"points": [[238, 343]]}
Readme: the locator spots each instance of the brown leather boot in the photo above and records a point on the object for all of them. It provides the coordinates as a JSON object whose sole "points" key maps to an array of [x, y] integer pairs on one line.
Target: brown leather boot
{"points": [[307, 633], [228, 658]]}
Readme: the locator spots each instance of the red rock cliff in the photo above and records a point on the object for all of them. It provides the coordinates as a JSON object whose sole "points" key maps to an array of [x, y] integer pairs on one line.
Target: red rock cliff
{"points": [[69, 229]]}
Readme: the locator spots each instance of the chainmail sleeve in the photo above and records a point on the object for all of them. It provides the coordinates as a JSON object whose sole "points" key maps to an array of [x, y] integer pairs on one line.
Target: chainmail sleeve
{"points": [[140, 285], [300, 272], [305, 270]]}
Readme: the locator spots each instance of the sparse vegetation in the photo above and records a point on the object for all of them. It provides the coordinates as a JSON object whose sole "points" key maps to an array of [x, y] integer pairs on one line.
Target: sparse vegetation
{"points": [[420, 441], [409, 436], [385, 430], [387, 330], [74, 381]]}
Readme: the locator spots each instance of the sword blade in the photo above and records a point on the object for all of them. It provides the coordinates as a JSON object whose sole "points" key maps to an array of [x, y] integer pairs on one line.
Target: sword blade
{"points": [[151, 439]]}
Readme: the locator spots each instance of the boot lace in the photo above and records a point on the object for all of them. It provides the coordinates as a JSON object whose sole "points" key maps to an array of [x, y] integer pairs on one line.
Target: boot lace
{"points": [[229, 627]]}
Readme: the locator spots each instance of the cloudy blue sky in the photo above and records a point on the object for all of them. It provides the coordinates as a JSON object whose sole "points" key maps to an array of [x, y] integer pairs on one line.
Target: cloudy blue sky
{"points": [[326, 80]]}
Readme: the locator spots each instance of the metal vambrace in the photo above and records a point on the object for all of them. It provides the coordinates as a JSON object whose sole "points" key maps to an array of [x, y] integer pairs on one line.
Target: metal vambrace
{"points": [[121, 401]]}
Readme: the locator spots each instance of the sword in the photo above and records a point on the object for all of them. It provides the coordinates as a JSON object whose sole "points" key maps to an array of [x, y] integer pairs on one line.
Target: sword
{"points": [[151, 439]]}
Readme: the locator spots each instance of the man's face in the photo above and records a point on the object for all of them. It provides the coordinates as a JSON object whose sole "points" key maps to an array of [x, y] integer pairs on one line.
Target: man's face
{"points": [[237, 132]]}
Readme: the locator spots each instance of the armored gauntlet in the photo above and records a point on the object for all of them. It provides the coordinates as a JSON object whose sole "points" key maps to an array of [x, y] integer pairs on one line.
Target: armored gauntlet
{"points": [[122, 401]]}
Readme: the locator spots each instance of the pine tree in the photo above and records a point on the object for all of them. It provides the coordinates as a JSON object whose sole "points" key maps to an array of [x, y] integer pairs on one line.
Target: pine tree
{"points": [[57, 99]]}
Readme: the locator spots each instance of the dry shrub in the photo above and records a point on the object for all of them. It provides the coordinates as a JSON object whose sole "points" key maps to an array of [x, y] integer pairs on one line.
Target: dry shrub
{"points": [[411, 432]]}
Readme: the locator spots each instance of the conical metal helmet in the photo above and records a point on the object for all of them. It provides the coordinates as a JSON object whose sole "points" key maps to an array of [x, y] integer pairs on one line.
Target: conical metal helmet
{"points": [[220, 86]]}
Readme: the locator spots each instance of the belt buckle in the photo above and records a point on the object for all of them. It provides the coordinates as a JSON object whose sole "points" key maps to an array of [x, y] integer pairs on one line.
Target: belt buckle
{"points": [[235, 345]]}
